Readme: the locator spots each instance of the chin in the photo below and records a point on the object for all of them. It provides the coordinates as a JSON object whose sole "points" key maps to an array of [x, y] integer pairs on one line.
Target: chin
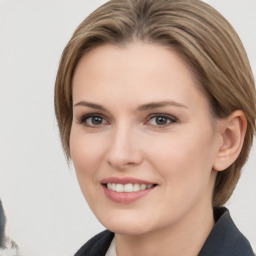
{"points": [[126, 225], [129, 230]]}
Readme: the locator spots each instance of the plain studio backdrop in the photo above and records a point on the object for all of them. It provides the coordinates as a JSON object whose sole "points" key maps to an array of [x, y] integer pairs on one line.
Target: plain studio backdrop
{"points": [[47, 215]]}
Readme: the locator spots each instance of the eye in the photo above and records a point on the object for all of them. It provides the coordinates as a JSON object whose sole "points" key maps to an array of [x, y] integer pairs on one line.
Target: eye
{"points": [[93, 120], [161, 120]]}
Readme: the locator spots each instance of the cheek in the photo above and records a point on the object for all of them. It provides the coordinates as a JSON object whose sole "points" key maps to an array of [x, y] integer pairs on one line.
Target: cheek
{"points": [[186, 175], [184, 159], [85, 154]]}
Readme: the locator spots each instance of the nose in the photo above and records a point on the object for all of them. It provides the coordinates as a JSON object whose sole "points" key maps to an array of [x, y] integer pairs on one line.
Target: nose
{"points": [[124, 149]]}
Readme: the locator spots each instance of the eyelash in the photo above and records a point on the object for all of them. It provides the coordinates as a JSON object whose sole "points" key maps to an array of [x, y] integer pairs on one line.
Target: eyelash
{"points": [[169, 118], [83, 120]]}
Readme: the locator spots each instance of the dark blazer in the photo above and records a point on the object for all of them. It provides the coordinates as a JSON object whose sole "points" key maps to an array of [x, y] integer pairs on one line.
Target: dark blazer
{"points": [[224, 240]]}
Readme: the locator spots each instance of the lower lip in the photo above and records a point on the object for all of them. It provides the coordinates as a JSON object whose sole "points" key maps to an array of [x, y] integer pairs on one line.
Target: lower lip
{"points": [[125, 197]]}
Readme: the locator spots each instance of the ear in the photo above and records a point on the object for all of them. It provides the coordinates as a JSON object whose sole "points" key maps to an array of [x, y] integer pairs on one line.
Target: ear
{"points": [[232, 131]]}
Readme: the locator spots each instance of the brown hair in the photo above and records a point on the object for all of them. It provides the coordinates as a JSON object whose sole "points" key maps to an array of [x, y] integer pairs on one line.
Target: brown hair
{"points": [[195, 30]]}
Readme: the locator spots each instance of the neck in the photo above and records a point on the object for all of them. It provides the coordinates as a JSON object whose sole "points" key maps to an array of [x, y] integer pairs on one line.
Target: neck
{"points": [[184, 238]]}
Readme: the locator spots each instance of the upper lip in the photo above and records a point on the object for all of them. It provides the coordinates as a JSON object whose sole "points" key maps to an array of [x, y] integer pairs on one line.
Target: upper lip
{"points": [[125, 180]]}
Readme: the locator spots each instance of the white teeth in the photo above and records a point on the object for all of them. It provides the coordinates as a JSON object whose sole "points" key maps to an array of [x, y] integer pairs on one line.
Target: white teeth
{"points": [[119, 188], [112, 186], [136, 187], [143, 186], [128, 187]]}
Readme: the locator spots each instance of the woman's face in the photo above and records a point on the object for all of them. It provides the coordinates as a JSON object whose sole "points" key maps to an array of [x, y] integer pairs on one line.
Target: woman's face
{"points": [[142, 140]]}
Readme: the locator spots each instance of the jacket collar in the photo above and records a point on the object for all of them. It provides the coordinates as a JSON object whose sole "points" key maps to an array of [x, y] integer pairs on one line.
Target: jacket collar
{"points": [[225, 239]]}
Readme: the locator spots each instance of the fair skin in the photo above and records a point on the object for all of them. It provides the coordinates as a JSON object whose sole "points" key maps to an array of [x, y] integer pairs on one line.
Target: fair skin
{"points": [[138, 114]]}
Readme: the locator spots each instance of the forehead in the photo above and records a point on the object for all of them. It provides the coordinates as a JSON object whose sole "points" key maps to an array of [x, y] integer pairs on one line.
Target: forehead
{"points": [[137, 70], [133, 55]]}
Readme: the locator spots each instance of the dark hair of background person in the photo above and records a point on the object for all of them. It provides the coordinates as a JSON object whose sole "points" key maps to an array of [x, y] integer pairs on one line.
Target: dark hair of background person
{"points": [[2, 225]]}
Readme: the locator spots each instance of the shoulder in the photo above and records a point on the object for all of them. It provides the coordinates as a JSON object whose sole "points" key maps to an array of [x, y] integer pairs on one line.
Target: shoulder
{"points": [[225, 238], [96, 246]]}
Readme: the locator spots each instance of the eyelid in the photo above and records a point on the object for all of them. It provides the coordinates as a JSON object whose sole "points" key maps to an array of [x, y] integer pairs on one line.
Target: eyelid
{"points": [[172, 118], [82, 120]]}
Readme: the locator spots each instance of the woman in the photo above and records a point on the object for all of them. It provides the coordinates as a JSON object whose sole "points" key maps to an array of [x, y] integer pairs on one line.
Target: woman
{"points": [[156, 107]]}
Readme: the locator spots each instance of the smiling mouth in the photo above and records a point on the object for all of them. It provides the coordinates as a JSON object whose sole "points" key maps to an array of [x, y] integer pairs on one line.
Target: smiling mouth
{"points": [[128, 188]]}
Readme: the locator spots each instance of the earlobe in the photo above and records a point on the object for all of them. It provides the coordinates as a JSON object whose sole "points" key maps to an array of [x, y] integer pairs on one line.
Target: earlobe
{"points": [[233, 130]]}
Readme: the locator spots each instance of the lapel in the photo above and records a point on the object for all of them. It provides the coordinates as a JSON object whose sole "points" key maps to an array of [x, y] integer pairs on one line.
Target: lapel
{"points": [[225, 239], [97, 246]]}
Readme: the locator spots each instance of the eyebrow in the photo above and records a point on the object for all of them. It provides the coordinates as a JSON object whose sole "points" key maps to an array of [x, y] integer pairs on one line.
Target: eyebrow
{"points": [[160, 104], [90, 105], [144, 107]]}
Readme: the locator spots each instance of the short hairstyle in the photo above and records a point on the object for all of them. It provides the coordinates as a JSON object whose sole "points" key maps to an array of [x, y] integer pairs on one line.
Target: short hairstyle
{"points": [[202, 36]]}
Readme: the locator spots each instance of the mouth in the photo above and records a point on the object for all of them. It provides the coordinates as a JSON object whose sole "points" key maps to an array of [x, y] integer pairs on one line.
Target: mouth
{"points": [[126, 190]]}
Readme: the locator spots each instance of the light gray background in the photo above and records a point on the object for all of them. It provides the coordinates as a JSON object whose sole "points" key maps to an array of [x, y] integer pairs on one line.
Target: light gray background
{"points": [[47, 215]]}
